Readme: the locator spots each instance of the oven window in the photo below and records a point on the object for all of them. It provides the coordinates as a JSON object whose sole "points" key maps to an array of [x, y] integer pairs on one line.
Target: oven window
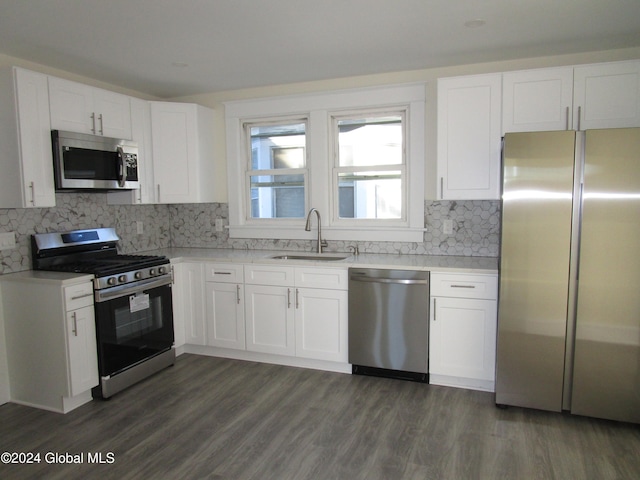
{"points": [[133, 328]]}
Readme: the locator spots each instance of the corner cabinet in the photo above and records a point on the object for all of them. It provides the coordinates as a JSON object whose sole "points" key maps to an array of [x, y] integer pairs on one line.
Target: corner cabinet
{"points": [[25, 140], [182, 144], [51, 343], [469, 140], [462, 332], [77, 107]]}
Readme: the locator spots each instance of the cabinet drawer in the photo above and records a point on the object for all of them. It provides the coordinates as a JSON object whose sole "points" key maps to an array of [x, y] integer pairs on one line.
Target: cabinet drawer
{"points": [[268, 275], [78, 296], [328, 278], [224, 272], [464, 286]]}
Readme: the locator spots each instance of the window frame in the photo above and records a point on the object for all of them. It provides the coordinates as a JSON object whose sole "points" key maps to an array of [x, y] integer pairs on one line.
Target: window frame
{"points": [[319, 108]]}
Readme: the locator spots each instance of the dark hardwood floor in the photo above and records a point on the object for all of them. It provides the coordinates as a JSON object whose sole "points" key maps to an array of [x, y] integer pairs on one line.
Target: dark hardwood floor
{"points": [[226, 419]]}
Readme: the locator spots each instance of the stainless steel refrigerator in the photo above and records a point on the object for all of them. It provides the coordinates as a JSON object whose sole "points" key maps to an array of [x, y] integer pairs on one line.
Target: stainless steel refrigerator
{"points": [[569, 302]]}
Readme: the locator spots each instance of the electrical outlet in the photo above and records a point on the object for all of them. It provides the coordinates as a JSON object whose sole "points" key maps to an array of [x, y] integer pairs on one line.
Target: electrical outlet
{"points": [[219, 224], [139, 227], [447, 227], [7, 240]]}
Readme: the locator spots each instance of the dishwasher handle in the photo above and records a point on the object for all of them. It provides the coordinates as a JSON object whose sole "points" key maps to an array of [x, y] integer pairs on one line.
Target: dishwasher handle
{"points": [[401, 281]]}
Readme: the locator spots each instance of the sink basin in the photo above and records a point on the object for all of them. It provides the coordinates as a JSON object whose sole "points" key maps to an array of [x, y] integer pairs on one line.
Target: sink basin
{"points": [[321, 257]]}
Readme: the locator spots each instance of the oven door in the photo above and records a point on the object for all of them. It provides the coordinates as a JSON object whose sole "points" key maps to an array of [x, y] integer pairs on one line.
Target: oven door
{"points": [[133, 323]]}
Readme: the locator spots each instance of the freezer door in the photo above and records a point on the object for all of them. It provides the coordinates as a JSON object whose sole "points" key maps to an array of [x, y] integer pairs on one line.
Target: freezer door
{"points": [[538, 171], [606, 381]]}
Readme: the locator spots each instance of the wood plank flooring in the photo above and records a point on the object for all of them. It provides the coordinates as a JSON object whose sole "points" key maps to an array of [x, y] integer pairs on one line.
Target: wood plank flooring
{"points": [[226, 419]]}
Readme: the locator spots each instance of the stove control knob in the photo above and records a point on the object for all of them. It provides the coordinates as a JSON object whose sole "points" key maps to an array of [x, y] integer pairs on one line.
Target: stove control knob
{"points": [[122, 278], [162, 270], [137, 275], [111, 281], [152, 272]]}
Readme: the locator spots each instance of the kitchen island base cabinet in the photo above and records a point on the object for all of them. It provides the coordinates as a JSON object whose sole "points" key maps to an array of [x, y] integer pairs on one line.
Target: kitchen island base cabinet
{"points": [[51, 339], [462, 335]]}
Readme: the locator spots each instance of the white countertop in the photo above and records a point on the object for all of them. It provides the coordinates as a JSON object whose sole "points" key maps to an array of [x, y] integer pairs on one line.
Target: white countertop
{"points": [[62, 278], [433, 263]]}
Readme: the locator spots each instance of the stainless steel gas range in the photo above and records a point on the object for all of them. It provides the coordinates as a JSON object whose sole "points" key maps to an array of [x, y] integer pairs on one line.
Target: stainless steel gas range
{"points": [[132, 299]]}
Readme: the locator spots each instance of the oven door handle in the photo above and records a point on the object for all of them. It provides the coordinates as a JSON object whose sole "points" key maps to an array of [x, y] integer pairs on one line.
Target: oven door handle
{"points": [[131, 288]]}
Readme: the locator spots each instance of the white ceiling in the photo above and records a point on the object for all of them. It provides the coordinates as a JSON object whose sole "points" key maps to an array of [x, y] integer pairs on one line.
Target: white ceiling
{"points": [[170, 48]]}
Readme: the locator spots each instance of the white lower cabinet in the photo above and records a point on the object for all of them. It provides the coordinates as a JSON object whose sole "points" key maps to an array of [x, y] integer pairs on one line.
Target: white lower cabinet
{"points": [[51, 343], [270, 319], [224, 293], [462, 333], [188, 305]]}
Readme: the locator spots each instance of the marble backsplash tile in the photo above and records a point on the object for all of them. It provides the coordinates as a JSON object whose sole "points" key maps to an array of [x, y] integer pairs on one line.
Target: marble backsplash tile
{"points": [[476, 228]]}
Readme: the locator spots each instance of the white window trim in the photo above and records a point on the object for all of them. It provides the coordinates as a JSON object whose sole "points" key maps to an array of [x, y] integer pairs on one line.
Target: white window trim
{"points": [[319, 108]]}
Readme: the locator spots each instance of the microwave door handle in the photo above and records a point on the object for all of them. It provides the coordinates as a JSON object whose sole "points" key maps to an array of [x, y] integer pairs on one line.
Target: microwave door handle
{"points": [[122, 172]]}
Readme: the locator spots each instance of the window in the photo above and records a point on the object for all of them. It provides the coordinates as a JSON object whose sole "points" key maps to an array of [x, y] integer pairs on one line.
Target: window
{"points": [[358, 156], [370, 166], [277, 173]]}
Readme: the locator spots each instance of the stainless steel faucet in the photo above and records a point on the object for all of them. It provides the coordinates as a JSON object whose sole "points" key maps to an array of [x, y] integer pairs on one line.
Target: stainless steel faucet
{"points": [[307, 227]]}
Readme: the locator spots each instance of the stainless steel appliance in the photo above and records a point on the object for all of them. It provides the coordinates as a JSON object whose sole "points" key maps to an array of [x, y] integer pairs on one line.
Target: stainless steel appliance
{"points": [[84, 161], [132, 300], [389, 323], [569, 304]]}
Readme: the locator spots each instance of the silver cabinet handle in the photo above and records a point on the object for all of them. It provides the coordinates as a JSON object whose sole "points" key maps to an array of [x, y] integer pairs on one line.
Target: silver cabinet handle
{"points": [[288, 298], [297, 298], [158, 193], [93, 123], [567, 120], [101, 124], [434, 309], [441, 188], [463, 286], [579, 117], [32, 187], [238, 294], [221, 273], [75, 324], [140, 194]]}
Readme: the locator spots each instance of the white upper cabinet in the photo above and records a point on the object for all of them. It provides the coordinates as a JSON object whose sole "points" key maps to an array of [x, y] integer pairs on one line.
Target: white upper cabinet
{"points": [[25, 140], [469, 137], [81, 108], [537, 100], [182, 138], [607, 95]]}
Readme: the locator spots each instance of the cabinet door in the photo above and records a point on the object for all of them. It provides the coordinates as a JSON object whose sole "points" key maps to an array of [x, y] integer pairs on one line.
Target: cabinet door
{"points": [[225, 315], [469, 137], [35, 139], [173, 127], [113, 112], [537, 100], [82, 350], [270, 319], [321, 324], [192, 311], [71, 106], [463, 338], [607, 95]]}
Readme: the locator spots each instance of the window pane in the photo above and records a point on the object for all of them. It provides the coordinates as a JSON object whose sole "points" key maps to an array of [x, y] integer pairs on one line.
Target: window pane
{"points": [[370, 195], [278, 146], [370, 141], [277, 196]]}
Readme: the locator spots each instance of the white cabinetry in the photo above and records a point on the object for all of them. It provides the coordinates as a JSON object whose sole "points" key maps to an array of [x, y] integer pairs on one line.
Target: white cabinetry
{"points": [[188, 304], [585, 97], [537, 100], [607, 95], [469, 140], [25, 140], [269, 308], [51, 342], [182, 138], [224, 290], [299, 311], [462, 334], [81, 108]]}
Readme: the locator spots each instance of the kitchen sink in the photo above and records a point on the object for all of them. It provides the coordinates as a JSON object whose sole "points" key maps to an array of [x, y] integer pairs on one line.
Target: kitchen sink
{"points": [[321, 257]]}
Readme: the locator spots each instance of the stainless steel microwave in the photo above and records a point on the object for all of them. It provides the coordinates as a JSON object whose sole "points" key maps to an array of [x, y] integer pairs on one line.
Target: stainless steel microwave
{"points": [[83, 161]]}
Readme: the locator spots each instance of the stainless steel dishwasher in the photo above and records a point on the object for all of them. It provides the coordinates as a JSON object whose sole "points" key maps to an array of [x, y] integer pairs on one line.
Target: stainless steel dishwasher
{"points": [[389, 323]]}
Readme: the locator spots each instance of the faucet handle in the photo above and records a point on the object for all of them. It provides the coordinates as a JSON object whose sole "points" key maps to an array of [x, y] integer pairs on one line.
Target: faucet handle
{"points": [[354, 249]]}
